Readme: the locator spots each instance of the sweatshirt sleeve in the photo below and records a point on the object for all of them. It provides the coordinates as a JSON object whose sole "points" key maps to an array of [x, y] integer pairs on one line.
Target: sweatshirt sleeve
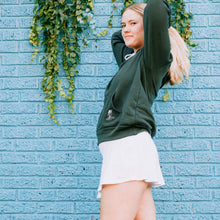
{"points": [[119, 48], [157, 56]]}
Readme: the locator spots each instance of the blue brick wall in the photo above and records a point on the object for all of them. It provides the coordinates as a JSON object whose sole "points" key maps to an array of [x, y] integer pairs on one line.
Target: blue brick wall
{"points": [[50, 172]]}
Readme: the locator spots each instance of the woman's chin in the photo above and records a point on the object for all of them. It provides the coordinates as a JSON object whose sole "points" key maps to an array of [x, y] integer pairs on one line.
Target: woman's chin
{"points": [[129, 45]]}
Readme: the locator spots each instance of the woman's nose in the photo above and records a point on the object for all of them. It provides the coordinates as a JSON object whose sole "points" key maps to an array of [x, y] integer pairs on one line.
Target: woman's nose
{"points": [[126, 28]]}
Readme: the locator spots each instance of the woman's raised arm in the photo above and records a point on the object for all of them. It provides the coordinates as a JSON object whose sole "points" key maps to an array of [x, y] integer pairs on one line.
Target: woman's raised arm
{"points": [[157, 56]]}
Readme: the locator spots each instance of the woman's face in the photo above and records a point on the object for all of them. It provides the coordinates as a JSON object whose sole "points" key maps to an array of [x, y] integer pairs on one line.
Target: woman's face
{"points": [[133, 29]]}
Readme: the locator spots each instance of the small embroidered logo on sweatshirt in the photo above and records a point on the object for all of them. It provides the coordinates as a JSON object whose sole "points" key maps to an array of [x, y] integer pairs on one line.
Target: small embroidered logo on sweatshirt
{"points": [[109, 115]]}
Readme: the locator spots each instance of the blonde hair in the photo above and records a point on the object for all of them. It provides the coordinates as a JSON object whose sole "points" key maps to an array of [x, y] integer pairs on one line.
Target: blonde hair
{"points": [[181, 63]]}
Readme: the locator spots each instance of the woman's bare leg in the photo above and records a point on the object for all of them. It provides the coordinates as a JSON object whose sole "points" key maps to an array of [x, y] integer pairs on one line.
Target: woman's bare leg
{"points": [[146, 209], [121, 201]]}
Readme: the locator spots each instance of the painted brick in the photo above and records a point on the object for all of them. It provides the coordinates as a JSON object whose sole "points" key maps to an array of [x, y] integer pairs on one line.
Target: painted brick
{"points": [[16, 11], [20, 132], [88, 207], [30, 70], [211, 182], [55, 158], [217, 170], [24, 22], [207, 157], [215, 95], [106, 70], [58, 182], [207, 207], [27, 170], [199, 21], [174, 207], [15, 34], [25, 46], [95, 83], [75, 195], [174, 107], [19, 157], [205, 33], [20, 183], [58, 131], [202, 46], [88, 157], [167, 169], [211, 132], [17, 207], [36, 195], [7, 195], [72, 144], [79, 170], [193, 119], [86, 132], [179, 182], [8, 71], [162, 195], [214, 20], [8, 46], [33, 145], [192, 217], [14, 107], [175, 132], [102, 58], [7, 95], [29, 217], [207, 107], [176, 157], [164, 145], [211, 8], [215, 70], [192, 95], [164, 119], [8, 2], [206, 57], [93, 107], [214, 45], [192, 195], [191, 145], [24, 83], [6, 145], [18, 59], [27, 1], [206, 82], [88, 182], [7, 22], [86, 70], [216, 145], [193, 170], [55, 208], [199, 69]]}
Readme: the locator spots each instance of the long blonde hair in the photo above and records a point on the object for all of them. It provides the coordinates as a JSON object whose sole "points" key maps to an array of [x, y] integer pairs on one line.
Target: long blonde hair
{"points": [[181, 63]]}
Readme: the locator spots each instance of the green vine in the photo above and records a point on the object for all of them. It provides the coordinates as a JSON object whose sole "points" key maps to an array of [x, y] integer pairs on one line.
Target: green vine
{"points": [[58, 24]]}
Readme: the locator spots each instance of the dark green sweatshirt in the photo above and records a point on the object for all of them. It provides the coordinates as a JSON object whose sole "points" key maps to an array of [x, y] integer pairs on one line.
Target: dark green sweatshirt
{"points": [[130, 93]]}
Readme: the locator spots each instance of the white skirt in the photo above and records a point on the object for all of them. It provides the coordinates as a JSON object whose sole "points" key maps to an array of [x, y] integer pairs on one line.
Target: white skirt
{"points": [[131, 158]]}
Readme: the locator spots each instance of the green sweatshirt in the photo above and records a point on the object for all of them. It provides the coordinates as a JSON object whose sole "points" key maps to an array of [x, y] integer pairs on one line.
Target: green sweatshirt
{"points": [[130, 93]]}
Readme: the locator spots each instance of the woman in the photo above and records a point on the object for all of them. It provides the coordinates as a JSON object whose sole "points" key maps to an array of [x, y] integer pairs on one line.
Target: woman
{"points": [[126, 124]]}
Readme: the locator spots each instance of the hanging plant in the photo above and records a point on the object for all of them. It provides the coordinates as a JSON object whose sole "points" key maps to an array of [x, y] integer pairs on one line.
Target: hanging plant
{"points": [[57, 24]]}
